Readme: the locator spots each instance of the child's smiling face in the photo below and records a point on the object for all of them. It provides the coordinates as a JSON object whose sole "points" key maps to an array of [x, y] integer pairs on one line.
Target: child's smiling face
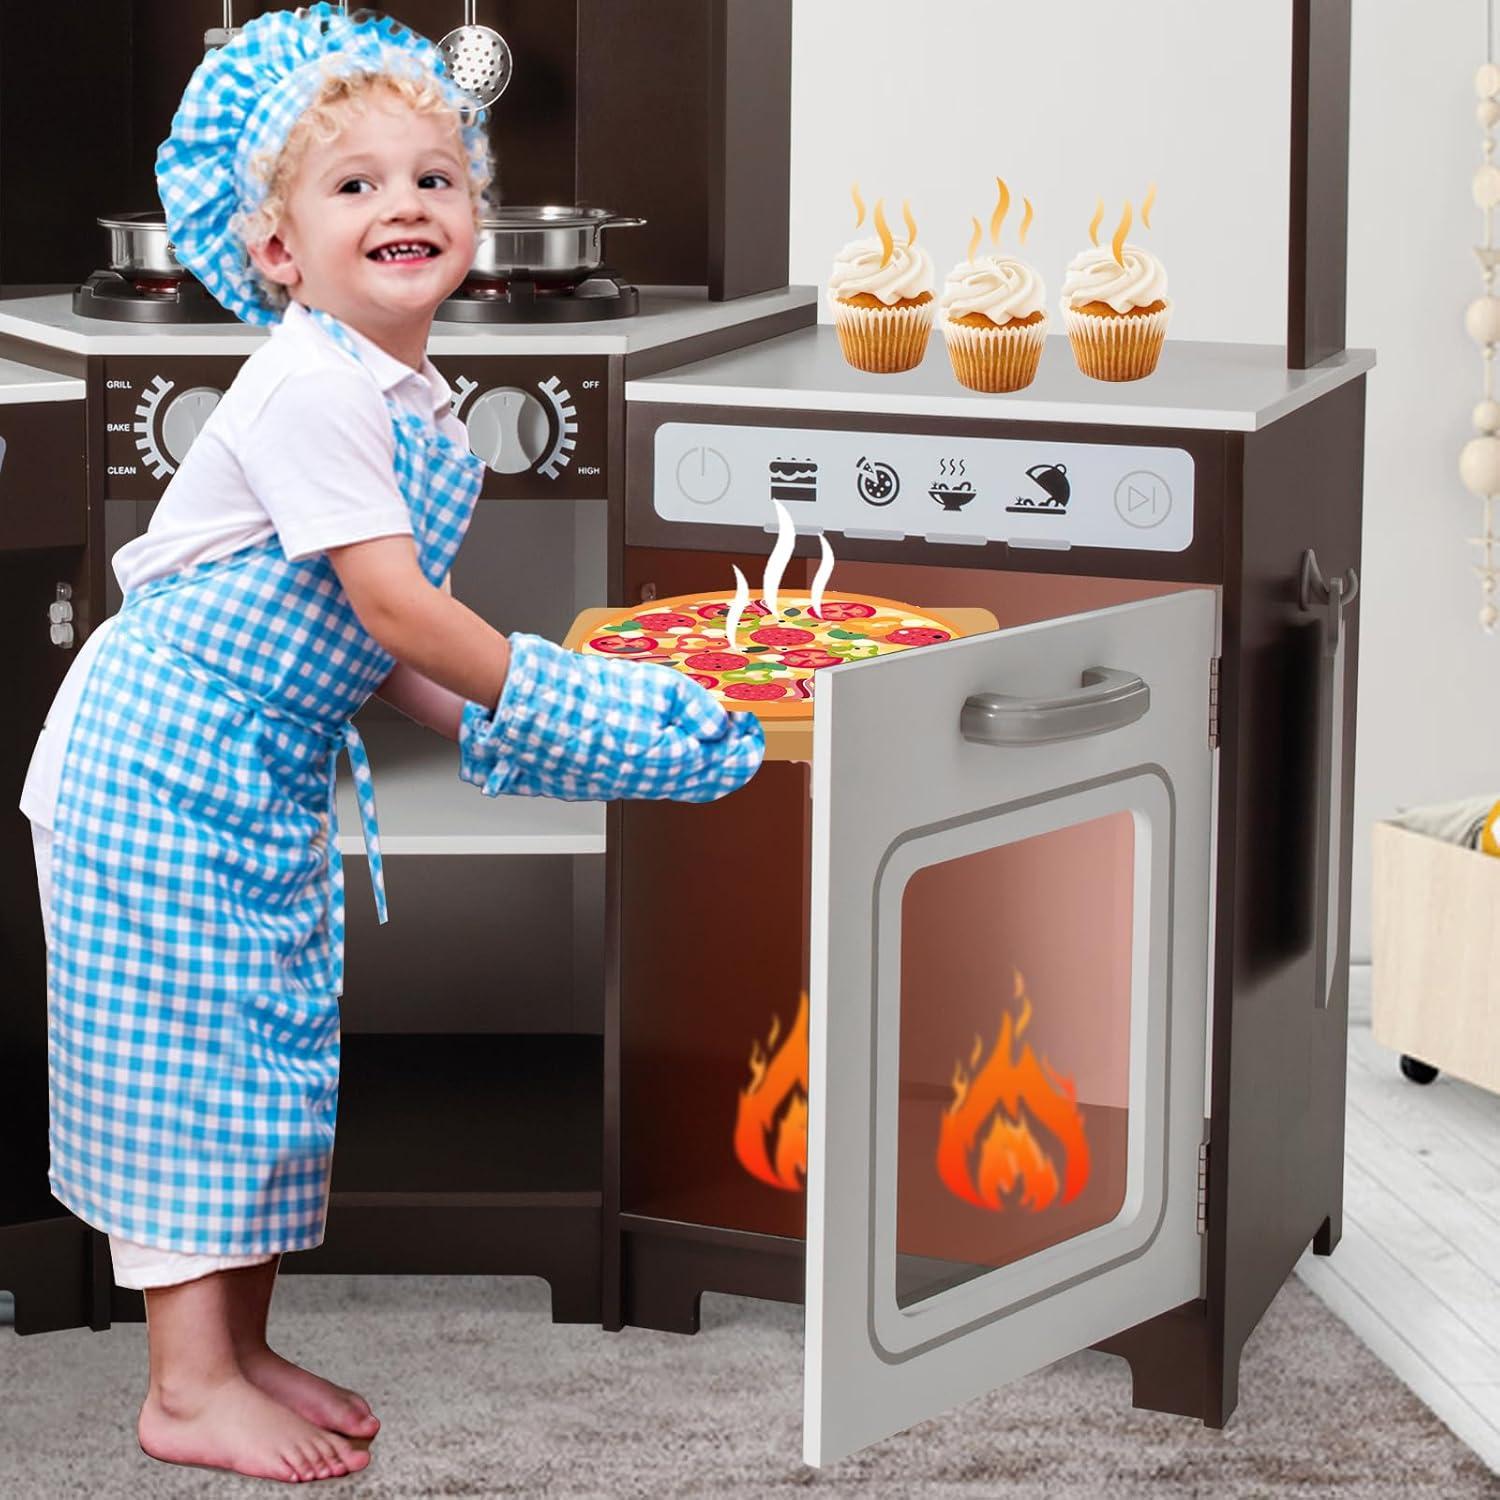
{"points": [[391, 178]]}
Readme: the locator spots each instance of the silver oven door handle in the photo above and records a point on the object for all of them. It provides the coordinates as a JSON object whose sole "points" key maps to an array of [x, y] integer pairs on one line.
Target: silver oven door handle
{"points": [[1108, 699]]}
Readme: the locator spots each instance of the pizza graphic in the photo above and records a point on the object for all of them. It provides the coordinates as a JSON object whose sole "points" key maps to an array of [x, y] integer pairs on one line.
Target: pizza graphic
{"points": [[773, 663]]}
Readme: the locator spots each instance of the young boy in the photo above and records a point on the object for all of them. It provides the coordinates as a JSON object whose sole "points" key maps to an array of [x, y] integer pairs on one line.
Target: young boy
{"points": [[319, 176]]}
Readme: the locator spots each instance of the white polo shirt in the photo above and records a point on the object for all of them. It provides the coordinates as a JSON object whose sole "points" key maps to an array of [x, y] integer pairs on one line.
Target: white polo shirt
{"points": [[300, 447]]}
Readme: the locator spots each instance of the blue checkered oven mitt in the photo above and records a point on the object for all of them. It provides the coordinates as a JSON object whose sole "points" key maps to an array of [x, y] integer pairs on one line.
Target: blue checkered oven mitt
{"points": [[591, 729]]}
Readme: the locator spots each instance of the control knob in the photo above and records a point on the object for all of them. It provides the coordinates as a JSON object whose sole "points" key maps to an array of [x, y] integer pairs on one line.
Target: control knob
{"points": [[167, 425], [508, 429], [517, 431]]}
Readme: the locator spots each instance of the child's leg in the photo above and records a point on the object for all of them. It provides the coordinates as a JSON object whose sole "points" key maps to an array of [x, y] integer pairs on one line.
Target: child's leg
{"points": [[202, 1409], [319, 1400]]}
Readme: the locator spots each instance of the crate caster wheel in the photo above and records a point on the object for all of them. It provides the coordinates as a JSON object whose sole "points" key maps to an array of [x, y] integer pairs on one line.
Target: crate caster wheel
{"points": [[1416, 1070]]}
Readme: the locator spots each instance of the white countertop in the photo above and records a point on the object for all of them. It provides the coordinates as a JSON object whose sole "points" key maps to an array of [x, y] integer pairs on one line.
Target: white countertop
{"points": [[667, 314], [27, 383], [1220, 387]]}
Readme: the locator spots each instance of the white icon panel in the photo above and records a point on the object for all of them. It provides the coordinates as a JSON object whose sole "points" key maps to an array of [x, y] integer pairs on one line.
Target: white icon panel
{"points": [[960, 490]]}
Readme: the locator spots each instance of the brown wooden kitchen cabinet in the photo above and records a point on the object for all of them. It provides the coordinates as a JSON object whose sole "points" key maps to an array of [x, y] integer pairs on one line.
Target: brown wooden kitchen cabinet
{"points": [[1148, 923], [579, 1050], [547, 1053], [43, 530]]}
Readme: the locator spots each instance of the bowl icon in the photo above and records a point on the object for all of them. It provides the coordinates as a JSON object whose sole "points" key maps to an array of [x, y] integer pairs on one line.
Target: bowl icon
{"points": [[952, 496]]}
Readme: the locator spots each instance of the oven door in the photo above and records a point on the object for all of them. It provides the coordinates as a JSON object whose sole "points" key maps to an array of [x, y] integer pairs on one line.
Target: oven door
{"points": [[1011, 861]]}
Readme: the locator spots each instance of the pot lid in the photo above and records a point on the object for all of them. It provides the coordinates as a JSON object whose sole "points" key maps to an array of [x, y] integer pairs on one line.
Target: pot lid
{"points": [[151, 218], [551, 216]]}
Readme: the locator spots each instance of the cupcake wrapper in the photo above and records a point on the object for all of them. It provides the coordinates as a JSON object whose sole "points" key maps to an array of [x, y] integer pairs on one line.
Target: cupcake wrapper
{"points": [[995, 359], [883, 340], [1124, 348]]}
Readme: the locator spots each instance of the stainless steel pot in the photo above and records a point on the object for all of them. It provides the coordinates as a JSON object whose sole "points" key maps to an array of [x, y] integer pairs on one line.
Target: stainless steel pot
{"points": [[138, 245], [547, 241], [544, 241]]}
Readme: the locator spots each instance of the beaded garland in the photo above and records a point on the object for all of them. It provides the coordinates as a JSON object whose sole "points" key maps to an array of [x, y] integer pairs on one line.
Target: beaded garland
{"points": [[1479, 463]]}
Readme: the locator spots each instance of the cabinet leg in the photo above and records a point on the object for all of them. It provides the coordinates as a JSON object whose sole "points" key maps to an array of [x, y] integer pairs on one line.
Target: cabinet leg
{"points": [[658, 1295], [1168, 1359], [49, 1270], [576, 1295], [667, 1315], [1330, 1232]]}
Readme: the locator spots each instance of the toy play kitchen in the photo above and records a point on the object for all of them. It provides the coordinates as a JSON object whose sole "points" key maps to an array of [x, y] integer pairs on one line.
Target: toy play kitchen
{"points": [[1002, 1014]]}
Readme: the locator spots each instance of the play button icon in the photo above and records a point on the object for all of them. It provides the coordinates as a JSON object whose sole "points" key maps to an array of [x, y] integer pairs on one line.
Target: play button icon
{"points": [[1143, 499]]}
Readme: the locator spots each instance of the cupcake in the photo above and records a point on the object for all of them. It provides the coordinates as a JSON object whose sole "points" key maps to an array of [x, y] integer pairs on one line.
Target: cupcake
{"points": [[994, 313], [1115, 305], [881, 295]]}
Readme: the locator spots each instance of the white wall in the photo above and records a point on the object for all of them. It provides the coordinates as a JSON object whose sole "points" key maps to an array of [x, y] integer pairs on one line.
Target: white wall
{"points": [[1070, 102]]}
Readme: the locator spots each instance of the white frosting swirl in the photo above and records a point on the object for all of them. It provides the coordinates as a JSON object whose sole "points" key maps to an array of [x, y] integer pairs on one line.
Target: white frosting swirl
{"points": [[856, 268], [1094, 275], [1000, 287]]}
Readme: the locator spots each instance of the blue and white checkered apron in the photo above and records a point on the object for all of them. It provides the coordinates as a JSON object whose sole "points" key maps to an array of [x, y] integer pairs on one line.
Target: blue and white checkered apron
{"points": [[197, 960]]}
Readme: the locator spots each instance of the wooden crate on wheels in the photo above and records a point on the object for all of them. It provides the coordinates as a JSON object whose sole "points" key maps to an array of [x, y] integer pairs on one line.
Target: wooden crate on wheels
{"points": [[1436, 956]]}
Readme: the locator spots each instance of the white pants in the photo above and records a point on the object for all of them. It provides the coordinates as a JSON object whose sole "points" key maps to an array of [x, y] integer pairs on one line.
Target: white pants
{"points": [[136, 1265]]}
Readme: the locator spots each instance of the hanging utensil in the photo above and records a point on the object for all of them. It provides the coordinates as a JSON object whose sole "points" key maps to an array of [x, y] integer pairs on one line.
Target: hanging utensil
{"points": [[478, 59], [216, 36]]}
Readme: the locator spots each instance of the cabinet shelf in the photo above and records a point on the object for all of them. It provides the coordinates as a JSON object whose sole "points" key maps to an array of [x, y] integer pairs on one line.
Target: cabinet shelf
{"points": [[470, 1120], [469, 1155], [425, 809]]}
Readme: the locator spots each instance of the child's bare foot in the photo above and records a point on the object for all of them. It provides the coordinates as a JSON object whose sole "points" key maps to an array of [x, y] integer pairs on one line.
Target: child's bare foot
{"points": [[235, 1425], [320, 1401]]}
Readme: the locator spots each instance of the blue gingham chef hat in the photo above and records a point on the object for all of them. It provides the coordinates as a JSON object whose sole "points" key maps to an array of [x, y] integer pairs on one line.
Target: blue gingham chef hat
{"points": [[239, 108]]}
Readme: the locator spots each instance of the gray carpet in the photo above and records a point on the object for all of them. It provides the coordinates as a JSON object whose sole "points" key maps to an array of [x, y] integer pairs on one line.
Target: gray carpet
{"points": [[482, 1395]]}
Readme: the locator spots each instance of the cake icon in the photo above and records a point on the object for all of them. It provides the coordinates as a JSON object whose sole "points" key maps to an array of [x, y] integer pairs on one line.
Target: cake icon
{"points": [[794, 479]]}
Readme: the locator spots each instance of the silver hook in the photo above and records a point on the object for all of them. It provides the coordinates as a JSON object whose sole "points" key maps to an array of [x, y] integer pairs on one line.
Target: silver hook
{"points": [[1333, 594]]}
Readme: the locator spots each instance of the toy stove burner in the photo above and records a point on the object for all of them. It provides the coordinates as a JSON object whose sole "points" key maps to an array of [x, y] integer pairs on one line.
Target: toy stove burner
{"points": [[142, 297], [484, 299]]}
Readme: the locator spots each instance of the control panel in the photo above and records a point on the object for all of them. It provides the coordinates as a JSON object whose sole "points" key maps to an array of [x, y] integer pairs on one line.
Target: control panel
{"points": [[884, 486], [154, 410], [540, 425]]}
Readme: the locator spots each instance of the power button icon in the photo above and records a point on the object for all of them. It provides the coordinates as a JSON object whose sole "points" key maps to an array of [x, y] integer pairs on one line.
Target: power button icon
{"points": [[703, 475]]}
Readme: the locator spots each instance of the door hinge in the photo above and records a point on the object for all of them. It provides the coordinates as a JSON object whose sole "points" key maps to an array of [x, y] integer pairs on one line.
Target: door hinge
{"points": [[1213, 703], [1203, 1188]]}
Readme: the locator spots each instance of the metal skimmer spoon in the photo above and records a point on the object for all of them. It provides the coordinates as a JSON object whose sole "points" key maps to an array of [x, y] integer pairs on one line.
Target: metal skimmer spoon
{"points": [[478, 59]]}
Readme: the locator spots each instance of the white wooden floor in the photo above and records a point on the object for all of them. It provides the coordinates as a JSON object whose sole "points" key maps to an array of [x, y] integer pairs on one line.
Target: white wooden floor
{"points": [[1417, 1274]]}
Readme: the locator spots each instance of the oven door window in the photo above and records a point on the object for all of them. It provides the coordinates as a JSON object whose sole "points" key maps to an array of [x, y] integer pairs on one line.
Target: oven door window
{"points": [[1011, 942], [1009, 979]]}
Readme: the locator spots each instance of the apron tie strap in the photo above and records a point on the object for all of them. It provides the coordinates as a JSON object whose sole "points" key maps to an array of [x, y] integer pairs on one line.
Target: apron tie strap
{"points": [[364, 791]]}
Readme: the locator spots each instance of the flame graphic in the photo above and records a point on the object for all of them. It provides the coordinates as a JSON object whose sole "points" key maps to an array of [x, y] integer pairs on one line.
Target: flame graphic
{"points": [[1002, 207], [887, 244], [773, 1108], [1095, 222], [911, 223], [1026, 218], [1146, 206], [737, 606], [1014, 1168], [786, 537], [820, 578], [1121, 231], [975, 238], [859, 204]]}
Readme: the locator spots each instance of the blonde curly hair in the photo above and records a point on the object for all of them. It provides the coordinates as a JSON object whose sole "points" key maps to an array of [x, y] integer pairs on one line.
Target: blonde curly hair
{"points": [[324, 119]]}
